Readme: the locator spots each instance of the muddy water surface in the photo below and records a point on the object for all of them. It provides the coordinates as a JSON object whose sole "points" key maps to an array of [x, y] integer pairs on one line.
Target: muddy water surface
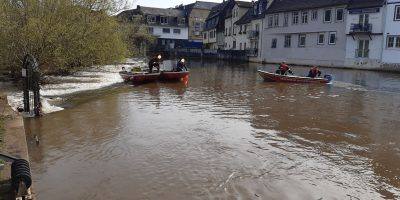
{"points": [[225, 135]]}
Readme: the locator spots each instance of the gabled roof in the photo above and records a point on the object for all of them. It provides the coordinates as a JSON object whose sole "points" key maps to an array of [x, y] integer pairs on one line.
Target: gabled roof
{"points": [[293, 5], [246, 18], [205, 5], [244, 4], [169, 12], [354, 4]]}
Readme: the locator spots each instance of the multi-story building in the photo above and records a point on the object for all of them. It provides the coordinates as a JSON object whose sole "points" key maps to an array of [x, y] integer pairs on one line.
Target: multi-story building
{"points": [[391, 34], [214, 28], [168, 25], [305, 32], [236, 35], [364, 33], [251, 25], [197, 14]]}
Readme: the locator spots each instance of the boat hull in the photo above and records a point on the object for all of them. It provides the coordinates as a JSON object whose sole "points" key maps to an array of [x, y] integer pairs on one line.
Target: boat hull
{"points": [[144, 78], [272, 77], [174, 76]]}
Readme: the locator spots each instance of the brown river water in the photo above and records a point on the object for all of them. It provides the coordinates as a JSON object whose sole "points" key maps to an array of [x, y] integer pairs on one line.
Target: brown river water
{"points": [[224, 135]]}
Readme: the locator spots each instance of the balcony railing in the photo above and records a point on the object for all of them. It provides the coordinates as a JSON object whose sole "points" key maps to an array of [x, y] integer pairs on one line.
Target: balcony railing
{"points": [[362, 53], [253, 34], [251, 52], [361, 28]]}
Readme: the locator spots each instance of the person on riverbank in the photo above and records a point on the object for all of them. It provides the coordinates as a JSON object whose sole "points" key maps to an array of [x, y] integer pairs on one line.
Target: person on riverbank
{"points": [[155, 62], [181, 65], [284, 69], [314, 72]]}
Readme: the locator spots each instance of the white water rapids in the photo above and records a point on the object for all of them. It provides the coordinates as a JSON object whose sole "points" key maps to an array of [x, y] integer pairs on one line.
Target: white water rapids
{"points": [[60, 86]]}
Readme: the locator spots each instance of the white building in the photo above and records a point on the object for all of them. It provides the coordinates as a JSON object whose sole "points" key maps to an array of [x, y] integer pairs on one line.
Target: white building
{"points": [[305, 32], [364, 32], [236, 35], [391, 50]]}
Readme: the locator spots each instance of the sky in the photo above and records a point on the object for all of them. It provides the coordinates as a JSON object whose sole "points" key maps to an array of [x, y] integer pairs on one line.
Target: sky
{"points": [[165, 3]]}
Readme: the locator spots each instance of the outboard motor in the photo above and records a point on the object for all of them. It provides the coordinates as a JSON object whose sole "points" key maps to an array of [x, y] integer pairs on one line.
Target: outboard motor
{"points": [[328, 77]]}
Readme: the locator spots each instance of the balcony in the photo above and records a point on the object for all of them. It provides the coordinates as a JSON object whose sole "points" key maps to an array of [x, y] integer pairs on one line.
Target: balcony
{"points": [[252, 52], [253, 35], [361, 28], [362, 53]]}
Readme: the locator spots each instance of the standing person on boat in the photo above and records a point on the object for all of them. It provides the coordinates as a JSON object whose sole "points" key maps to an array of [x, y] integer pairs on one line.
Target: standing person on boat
{"points": [[155, 62], [181, 65], [314, 72], [284, 69]]}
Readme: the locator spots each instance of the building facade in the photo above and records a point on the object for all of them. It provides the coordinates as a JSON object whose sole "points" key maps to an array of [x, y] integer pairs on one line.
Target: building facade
{"points": [[235, 36], [305, 32], [391, 35]]}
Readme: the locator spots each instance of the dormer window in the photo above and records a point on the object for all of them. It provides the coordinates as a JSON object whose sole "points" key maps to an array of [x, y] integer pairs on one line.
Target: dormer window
{"points": [[163, 20], [151, 19]]}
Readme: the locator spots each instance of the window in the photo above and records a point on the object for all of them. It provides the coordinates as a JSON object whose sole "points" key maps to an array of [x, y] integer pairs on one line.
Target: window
{"points": [[390, 41], [286, 19], [321, 38], [304, 17], [314, 15], [151, 19], [270, 21], [397, 13], [295, 17], [276, 20], [182, 21], [151, 30], [245, 29], [226, 31], [234, 45], [273, 43], [240, 46], [197, 26], [288, 39], [245, 46], [398, 42], [332, 38], [363, 49], [166, 30], [205, 35], [177, 31], [302, 40], [363, 19], [234, 30], [328, 16], [339, 14], [164, 20]]}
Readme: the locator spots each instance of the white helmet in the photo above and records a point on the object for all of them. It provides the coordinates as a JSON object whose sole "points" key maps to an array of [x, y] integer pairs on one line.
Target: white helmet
{"points": [[183, 60], [159, 56]]}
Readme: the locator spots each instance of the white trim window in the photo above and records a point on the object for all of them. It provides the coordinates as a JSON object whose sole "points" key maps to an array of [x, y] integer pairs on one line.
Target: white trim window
{"points": [[393, 41], [274, 43], [397, 13], [321, 39], [288, 41], [276, 20], [177, 31], [314, 15], [163, 20], [295, 17], [166, 30], [151, 30], [339, 14], [332, 38], [270, 21], [286, 19], [304, 17], [328, 15], [302, 40]]}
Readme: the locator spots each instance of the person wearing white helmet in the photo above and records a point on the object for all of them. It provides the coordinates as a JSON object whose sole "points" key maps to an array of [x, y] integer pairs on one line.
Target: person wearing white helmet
{"points": [[181, 65], [155, 62]]}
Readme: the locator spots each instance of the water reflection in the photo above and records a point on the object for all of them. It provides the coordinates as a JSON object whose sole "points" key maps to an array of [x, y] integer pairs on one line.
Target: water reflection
{"points": [[225, 135]]}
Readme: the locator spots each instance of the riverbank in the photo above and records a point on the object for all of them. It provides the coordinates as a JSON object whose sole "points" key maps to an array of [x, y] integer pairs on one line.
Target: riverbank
{"points": [[12, 142]]}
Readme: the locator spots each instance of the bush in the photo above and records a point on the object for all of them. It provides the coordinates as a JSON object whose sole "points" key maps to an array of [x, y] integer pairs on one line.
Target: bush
{"points": [[63, 35]]}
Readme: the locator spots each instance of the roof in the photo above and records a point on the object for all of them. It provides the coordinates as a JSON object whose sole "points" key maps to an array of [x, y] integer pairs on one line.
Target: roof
{"points": [[354, 4], [170, 12], [205, 5], [244, 4], [292, 5], [246, 18]]}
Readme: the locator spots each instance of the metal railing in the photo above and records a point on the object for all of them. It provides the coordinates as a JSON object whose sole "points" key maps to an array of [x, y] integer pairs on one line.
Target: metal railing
{"points": [[253, 34], [361, 28], [362, 53]]}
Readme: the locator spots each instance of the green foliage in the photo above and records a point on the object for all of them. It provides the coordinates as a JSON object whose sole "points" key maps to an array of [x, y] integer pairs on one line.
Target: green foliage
{"points": [[64, 35]]}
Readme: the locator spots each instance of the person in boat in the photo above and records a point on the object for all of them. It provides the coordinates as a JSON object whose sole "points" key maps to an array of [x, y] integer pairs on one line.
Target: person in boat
{"points": [[181, 65], [314, 72], [284, 69], [123, 69], [155, 62]]}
